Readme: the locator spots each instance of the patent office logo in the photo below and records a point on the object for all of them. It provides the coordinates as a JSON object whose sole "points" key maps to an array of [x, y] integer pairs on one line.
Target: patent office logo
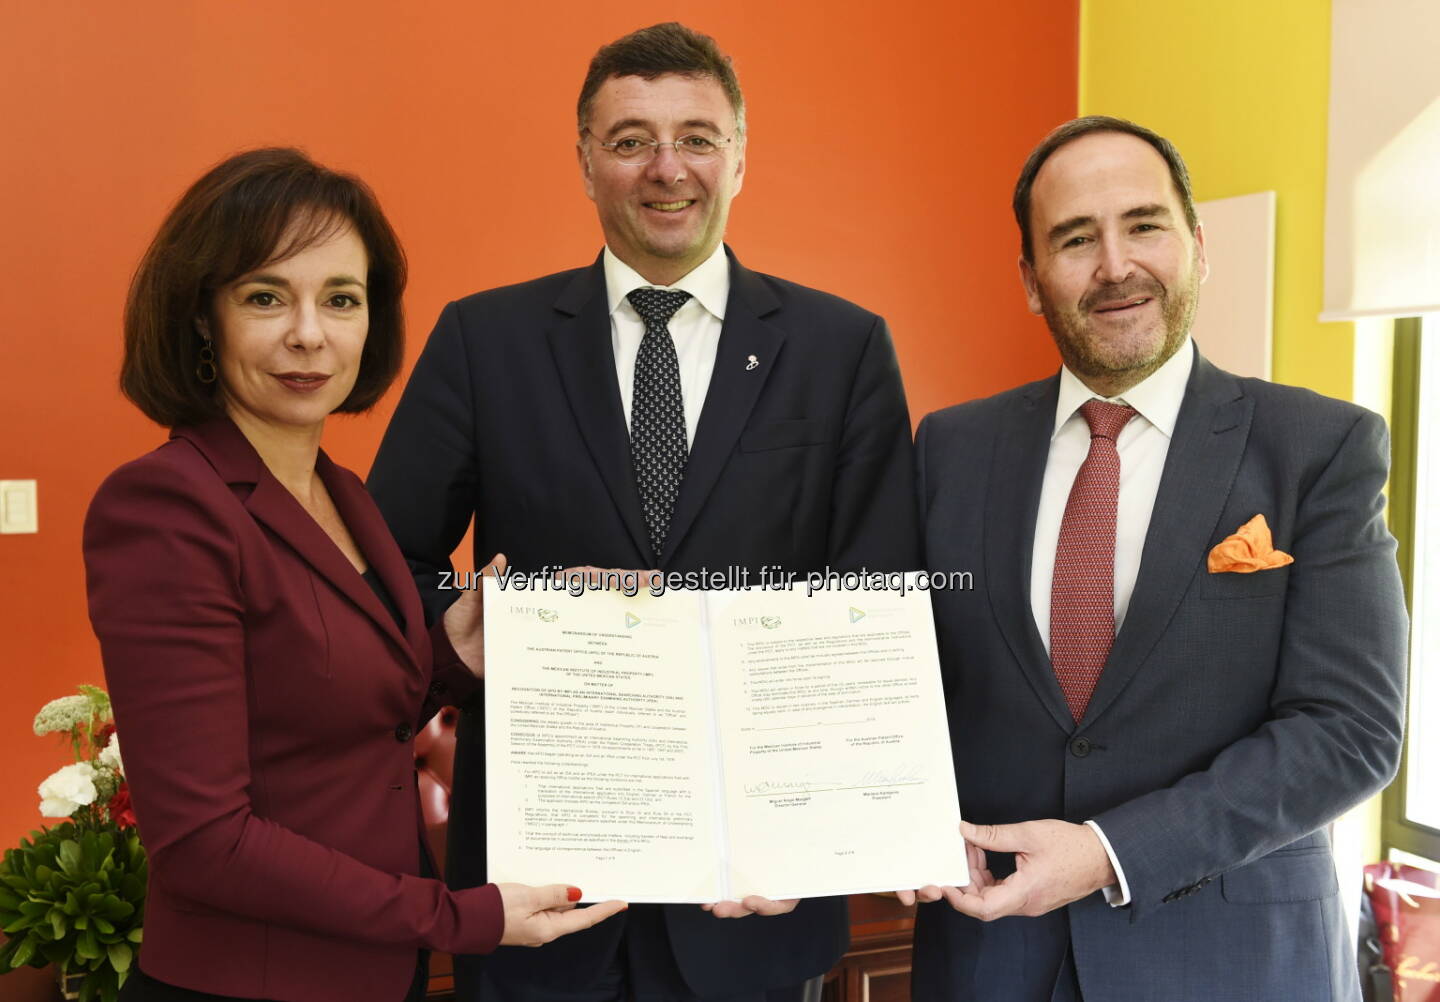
{"points": [[547, 615], [631, 621], [856, 614], [768, 622]]}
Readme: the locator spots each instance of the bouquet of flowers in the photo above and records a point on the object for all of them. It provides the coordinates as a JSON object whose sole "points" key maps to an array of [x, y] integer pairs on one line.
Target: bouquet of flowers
{"points": [[73, 895]]}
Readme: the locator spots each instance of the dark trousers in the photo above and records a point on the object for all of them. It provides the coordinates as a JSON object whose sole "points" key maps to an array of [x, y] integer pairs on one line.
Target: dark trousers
{"points": [[614, 986], [651, 978]]}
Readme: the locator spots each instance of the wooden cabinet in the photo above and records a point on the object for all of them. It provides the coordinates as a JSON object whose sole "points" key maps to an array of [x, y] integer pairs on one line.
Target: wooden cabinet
{"points": [[877, 966]]}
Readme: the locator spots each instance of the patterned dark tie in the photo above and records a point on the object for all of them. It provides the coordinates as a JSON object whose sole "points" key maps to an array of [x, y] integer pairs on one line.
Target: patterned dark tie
{"points": [[1082, 591], [658, 448]]}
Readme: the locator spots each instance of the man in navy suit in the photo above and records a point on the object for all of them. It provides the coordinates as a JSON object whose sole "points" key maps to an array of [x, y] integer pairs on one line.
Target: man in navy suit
{"points": [[1186, 655], [665, 408]]}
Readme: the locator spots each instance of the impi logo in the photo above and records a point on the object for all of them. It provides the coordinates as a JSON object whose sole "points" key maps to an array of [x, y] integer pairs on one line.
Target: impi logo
{"points": [[631, 620], [547, 615], [856, 614], [769, 622]]}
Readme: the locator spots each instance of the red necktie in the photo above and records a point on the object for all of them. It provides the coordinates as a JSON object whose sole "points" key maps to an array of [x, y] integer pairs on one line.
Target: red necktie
{"points": [[1082, 591]]}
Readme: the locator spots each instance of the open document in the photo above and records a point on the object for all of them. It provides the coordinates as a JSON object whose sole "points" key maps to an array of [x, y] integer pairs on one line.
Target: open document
{"points": [[702, 746]]}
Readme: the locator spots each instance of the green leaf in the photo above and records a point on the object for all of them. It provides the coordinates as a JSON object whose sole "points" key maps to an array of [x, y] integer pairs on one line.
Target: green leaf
{"points": [[70, 857], [104, 925], [120, 956], [58, 923], [23, 953], [9, 901], [18, 925], [89, 851], [136, 935], [99, 699], [86, 947]]}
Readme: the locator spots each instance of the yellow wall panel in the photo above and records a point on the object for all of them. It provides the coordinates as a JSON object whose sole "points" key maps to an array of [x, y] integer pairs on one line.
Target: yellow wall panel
{"points": [[1242, 88]]}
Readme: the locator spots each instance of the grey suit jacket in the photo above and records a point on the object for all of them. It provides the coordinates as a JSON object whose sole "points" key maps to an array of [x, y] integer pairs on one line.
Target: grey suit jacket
{"points": [[1237, 715]]}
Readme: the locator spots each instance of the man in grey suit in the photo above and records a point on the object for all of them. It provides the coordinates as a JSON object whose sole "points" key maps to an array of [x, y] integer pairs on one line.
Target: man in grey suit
{"points": [[1186, 703]]}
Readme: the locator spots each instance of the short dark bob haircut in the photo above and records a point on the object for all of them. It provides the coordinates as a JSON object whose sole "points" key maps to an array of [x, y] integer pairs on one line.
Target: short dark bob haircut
{"points": [[229, 223], [653, 52], [1090, 124]]}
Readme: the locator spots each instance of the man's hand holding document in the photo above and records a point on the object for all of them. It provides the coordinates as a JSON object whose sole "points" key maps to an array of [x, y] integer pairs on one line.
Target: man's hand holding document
{"points": [[712, 746]]}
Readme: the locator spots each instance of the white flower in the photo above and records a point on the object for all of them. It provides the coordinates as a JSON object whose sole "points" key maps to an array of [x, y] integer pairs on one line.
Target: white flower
{"points": [[63, 714], [110, 755], [67, 790]]}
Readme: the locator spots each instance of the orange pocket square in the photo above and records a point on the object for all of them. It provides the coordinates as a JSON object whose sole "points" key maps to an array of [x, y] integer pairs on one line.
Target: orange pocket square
{"points": [[1249, 550]]}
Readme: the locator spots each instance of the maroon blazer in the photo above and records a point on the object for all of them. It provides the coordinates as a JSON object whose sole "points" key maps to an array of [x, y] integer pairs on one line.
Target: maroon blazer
{"points": [[266, 702]]}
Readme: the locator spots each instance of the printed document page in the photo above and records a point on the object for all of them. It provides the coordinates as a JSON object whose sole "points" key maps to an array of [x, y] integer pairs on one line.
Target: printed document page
{"points": [[599, 742], [699, 746], [836, 755]]}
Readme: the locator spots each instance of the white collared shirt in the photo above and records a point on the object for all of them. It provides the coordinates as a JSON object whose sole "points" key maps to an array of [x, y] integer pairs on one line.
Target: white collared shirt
{"points": [[695, 328], [1143, 445]]}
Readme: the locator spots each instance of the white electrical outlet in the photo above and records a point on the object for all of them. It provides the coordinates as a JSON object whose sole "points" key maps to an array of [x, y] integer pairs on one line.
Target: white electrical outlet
{"points": [[18, 507]]}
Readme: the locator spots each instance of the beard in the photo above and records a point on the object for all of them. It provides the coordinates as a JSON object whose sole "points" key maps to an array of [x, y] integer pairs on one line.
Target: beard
{"points": [[1128, 354]]}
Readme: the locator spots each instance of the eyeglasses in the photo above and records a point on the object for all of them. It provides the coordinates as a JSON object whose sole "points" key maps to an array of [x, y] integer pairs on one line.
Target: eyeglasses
{"points": [[637, 151]]}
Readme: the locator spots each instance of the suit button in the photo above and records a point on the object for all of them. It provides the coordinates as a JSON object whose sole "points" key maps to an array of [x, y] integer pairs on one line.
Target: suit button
{"points": [[404, 733], [1080, 747]]}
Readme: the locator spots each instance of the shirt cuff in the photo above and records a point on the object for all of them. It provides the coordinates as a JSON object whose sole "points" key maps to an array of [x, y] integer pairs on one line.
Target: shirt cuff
{"points": [[1117, 894]]}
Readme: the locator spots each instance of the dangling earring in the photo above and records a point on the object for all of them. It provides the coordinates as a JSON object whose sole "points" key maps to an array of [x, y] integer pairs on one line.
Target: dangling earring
{"points": [[205, 370]]}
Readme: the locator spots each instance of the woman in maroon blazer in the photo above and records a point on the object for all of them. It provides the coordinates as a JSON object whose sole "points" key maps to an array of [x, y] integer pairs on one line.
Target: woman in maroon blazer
{"points": [[263, 641]]}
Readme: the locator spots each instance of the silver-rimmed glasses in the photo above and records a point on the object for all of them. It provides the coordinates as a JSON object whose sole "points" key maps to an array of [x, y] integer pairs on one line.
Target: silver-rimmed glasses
{"points": [[637, 151]]}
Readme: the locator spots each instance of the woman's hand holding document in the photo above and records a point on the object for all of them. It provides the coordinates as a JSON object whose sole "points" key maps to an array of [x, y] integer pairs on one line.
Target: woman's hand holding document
{"points": [[742, 747]]}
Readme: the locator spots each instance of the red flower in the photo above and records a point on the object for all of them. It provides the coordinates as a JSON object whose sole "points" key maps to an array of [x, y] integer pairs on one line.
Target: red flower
{"points": [[101, 738], [121, 813]]}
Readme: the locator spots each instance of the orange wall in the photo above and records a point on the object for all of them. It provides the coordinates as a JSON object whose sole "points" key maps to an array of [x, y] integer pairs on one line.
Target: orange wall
{"points": [[883, 142]]}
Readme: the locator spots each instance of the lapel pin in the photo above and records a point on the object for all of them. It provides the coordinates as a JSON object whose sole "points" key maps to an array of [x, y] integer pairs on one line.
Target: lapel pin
{"points": [[753, 364]]}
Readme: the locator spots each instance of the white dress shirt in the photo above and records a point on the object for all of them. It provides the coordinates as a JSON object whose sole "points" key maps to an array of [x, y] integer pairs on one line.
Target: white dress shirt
{"points": [[1143, 444], [695, 328]]}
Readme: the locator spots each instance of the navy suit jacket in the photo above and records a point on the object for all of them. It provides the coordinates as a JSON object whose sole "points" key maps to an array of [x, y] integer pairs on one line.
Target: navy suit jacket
{"points": [[1237, 715], [266, 701], [513, 416]]}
